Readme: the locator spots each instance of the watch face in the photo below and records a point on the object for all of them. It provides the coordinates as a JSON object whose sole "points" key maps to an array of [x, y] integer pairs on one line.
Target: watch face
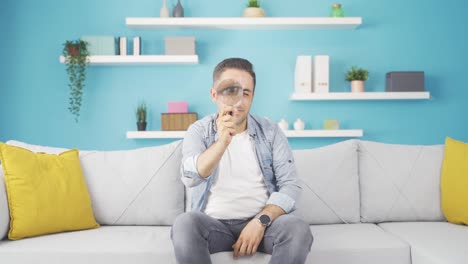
{"points": [[265, 219]]}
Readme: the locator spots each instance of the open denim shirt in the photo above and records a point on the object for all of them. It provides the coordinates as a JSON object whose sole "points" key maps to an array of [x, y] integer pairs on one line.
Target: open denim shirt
{"points": [[273, 155]]}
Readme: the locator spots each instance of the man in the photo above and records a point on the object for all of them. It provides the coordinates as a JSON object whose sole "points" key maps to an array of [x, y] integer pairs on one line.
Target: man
{"points": [[243, 180]]}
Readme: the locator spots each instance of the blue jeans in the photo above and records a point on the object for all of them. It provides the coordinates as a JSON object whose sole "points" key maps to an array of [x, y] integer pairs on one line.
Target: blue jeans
{"points": [[196, 235]]}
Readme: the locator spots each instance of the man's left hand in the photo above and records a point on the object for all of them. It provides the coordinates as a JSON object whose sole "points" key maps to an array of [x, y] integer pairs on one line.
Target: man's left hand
{"points": [[249, 239]]}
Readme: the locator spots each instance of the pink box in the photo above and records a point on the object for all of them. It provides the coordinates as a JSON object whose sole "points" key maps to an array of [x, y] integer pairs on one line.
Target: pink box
{"points": [[177, 107]]}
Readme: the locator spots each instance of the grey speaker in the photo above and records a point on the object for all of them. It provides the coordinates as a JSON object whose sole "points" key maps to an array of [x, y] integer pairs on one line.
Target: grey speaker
{"points": [[409, 81]]}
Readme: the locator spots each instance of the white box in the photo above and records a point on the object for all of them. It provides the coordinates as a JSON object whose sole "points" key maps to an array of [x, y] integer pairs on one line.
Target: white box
{"points": [[303, 75], [180, 45], [321, 74]]}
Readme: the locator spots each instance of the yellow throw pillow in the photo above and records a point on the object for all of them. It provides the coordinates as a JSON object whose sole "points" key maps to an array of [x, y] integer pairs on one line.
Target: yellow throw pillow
{"points": [[46, 193], [454, 182]]}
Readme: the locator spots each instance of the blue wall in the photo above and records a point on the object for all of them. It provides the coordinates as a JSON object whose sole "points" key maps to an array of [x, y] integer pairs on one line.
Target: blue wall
{"points": [[395, 35]]}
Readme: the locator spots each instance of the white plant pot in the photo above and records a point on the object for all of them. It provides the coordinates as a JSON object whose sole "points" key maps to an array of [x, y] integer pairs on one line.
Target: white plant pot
{"points": [[357, 86], [254, 12]]}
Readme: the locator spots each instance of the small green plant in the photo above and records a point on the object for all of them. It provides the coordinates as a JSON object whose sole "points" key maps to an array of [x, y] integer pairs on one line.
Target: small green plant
{"points": [[357, 74], [76, 57], [141, 112], [253, 3]]}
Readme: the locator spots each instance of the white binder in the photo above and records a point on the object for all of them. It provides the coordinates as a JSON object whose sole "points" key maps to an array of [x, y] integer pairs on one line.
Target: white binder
{"points": [[136, 46], [303, 75], [123, 46], [321, 74]]}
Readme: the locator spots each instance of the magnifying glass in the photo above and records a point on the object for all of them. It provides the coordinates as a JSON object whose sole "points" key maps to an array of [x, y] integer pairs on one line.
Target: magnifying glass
{"points": [[229, 92]]}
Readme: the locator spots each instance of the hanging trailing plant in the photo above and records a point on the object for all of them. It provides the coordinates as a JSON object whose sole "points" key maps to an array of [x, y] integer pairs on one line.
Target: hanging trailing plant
{"points": [[76, 57]]}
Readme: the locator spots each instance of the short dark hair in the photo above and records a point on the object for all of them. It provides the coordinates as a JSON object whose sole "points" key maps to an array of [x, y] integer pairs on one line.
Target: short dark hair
{"points": [[234, 63]]}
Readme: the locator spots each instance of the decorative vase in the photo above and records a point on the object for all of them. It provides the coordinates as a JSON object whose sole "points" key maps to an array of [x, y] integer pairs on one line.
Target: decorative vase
{"points": [[178, 10], [283, 124], [164, 12], [254, 12], [141, 126], [299, 124], [337, 11], [357, 86]]}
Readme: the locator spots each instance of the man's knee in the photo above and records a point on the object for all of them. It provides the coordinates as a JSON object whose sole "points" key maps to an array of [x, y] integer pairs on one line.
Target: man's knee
{"points": [[185, 224], [296, 229], [187, 219]]}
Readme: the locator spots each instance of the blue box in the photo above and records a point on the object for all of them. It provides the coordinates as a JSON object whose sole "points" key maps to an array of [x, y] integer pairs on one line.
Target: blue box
{"points": [[101, 45]]}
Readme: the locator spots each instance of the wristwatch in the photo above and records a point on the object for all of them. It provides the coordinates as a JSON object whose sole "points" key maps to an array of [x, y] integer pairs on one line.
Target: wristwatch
{"points": [[264, 220]]}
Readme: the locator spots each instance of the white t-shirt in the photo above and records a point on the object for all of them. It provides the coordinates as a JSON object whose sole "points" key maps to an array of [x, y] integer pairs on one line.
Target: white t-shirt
{"points": [[239, 191]]}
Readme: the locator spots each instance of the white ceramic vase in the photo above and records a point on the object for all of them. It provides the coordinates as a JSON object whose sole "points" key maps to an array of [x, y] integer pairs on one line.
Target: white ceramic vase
{"points": [[299, 124], [164, 12], [283, 124]]}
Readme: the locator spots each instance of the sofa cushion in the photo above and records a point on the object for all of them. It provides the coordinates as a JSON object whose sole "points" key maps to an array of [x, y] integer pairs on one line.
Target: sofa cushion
{"points": [[333, 244], [47, 193], [399, 182], [356, 243], [132, 187], [106, 245], [4, 212], [433, 242], [329, 180]]}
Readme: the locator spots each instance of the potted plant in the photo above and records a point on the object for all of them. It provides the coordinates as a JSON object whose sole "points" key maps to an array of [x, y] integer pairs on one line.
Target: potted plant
{"points": [[357, 77], [253, 9], [141, 116], [76, 57]]}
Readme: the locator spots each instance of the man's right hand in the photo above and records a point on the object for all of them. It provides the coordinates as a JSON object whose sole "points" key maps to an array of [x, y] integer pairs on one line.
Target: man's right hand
{"points": [[225, 126], [208, 160]]}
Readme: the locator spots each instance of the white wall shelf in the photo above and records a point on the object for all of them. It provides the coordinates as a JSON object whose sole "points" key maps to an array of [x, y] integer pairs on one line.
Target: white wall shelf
{"points": [[360, 96], [289, 134], [263, 23], [155, 134], [322, 133], [140, 60]]}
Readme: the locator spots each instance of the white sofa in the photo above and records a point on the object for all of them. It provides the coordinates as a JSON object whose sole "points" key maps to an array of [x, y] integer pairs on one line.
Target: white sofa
{"points": [[366, 202]]}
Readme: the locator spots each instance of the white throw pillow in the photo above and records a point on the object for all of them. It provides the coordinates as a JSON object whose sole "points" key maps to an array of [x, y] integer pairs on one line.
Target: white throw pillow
{"points": [[329, 180], [131, 187], [400, 182], [37, 148], [4, 212]]}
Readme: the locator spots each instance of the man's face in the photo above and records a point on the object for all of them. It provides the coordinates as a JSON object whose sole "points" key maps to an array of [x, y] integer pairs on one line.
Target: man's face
{"points": [[241, 111]]}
